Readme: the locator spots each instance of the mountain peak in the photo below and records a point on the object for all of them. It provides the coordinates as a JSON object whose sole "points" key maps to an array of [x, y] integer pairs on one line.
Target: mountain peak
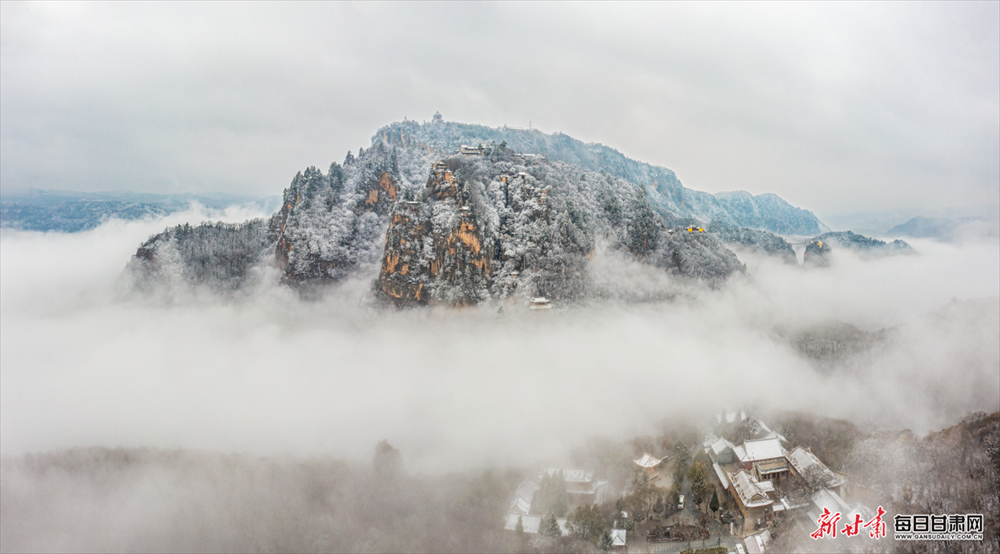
{"points": [[667, 195]]}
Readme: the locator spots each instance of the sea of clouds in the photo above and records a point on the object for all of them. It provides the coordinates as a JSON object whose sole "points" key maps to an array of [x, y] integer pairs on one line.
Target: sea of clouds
{"points": [[86, 363]]}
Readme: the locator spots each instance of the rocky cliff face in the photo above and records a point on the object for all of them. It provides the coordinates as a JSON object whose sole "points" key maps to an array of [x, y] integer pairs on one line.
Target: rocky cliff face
{"points": [[444, 257], [503, 224], [449, 228], [817, 254], [329, 225]]}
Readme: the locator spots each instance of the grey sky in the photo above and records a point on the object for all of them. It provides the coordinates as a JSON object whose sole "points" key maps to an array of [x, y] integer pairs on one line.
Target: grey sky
{"points": [[836, 108]]}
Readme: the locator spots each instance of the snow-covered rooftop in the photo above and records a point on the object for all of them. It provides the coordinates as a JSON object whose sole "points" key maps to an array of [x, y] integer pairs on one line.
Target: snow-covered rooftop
{"points": [[720, 446], [758, 542], [523, 497], [530, 523], [739, 452], [600, 490], [826, 498], [771, 434], [520, 506], [749, 491], [803, 460], [723, 478], [764, 449], [618, 537], [572, 475], [730, 417], [648, 461]]}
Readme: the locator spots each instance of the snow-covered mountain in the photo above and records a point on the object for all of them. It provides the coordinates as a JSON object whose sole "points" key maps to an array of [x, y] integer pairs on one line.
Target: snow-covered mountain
{"points": [[666, 194], [458, 214]]}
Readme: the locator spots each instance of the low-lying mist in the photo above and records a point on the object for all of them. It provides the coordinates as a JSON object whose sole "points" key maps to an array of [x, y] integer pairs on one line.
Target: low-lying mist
{"points": [[193, 422], [269, 373]]}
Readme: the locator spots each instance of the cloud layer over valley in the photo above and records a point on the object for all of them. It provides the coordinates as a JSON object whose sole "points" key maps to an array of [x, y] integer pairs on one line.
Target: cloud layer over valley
{"points": [[86, 365]]}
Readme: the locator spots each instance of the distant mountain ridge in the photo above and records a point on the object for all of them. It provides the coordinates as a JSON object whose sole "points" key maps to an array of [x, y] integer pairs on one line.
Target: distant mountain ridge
{"points": [[70, 211], [666, 193], [72, 216], [945, 228]]}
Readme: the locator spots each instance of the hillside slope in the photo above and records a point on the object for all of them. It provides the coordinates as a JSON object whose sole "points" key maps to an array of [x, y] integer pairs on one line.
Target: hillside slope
{"points": [[521, 213], [666, 193]]}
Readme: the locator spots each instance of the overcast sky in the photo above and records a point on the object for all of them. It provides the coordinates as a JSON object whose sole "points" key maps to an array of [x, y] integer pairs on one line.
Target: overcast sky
{"points": [[837, 108]]}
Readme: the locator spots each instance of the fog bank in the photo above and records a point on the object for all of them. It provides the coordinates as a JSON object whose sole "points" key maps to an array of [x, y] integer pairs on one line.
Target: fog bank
{"points": [[272, 374]]}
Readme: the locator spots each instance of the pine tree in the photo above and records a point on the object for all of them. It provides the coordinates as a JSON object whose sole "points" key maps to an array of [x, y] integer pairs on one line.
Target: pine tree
{"points": [[659, 507], [699, 485], [607, 543], [587, 522], [542, 501], [552, 495], [714, 503], [674, 496], [682, 457], [560, 498], [549, 527]]}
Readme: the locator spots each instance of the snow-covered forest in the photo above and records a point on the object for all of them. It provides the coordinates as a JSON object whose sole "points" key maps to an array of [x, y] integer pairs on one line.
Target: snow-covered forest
{"points": [[665, 192], [518, 217]]}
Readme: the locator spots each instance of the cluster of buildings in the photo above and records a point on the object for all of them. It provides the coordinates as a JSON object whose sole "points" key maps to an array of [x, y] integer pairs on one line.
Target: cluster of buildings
{"points": [[759, 475], [480, 150], [762, 476], [581, 488]]}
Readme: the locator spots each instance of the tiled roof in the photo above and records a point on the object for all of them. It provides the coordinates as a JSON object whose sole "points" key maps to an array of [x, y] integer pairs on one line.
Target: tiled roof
{"points": [[802, 460], [648, 461], [764, 449], [748, 490]]}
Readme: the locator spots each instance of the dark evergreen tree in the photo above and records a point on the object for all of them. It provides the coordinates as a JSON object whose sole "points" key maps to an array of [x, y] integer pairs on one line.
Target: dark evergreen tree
{"points": [[587, 522], [551, 495], [607, 543], [674, 496], [698, 475], [560, 504], [682, 457], [549, 527], [727, 517]]}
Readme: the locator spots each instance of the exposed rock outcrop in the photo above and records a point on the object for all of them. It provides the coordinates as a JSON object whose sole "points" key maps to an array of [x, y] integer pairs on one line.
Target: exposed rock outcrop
{"points": [[504, 224], [427, 256], [454, 229]]}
